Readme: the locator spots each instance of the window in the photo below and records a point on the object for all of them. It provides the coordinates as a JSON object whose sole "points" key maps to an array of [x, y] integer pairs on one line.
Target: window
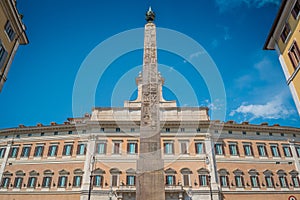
{"points": [[18, 182], [223, 174], [295, 181], [229, 132], [282, 134], [203, 180], [183, 147], [254, 181], [9, 31], [132, 130], [170, 176], [3, 54], [275, 151], [2, 152], [55, 133], [219, 149], [5, 182], [282, 180], [115, 172], [269, 181], [98, 181], [168, 148], [203, 177], [287, 151], [270, 134], [198, 130], [130, 180], [170, 180], [38, 152], [62, 181], [296, 10], [70, 132], [262, 150], [233, 149], [32, 182], [257, 133], [285, 33], [118, 130], [244, 133], [102, 130], [254, 178], [25, 151], [186, 180], [81, 149], [168, 130], [114, 180], [224, 181], [294, 55], [132, 148], [186, 176], [14, 152], [47, 182], [239, 179], [248, 150], [117, 148], [68, 149], [52, 150], [101, 148], [199, 148], [77, 180]]}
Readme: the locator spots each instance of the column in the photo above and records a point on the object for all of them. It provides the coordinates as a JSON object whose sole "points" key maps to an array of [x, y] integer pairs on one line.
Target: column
{"points": [[5, 158], [88, 166]]}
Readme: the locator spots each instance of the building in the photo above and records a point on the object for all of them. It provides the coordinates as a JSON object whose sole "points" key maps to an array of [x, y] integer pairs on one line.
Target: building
{"points": [[284, 37], [97, 156], [12, 34]]}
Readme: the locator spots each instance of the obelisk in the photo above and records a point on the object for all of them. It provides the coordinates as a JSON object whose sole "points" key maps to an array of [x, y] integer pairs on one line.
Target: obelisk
{"points": [[150, 175]]}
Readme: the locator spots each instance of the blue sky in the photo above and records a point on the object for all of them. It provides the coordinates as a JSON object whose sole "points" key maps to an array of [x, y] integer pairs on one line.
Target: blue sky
{"points": [[62, 33]]}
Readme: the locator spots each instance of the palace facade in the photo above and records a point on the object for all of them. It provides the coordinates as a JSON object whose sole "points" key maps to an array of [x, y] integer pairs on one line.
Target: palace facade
{"points": [[284, 37], [95, 156], [12, 34]]}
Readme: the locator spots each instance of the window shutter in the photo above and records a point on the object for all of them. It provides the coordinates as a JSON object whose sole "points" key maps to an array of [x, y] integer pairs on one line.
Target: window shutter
{"points": [[136, 150]]}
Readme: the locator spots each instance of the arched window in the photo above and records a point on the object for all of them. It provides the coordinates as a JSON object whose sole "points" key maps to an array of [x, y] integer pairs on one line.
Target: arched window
{"points": [[47, 179], [295, 179], [186, 172], [63, 178], [130, 177], [203, 177], [170, 176], [115, 175], [32, 180], [224, 180], [239, 178], [6, 179], [77, 179], [254, 178], [98, 177], [282, 178], [19, 179], [269, 178]]}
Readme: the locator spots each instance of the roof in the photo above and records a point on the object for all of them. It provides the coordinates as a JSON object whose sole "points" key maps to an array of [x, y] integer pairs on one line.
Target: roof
{"points": [[275, 23]]}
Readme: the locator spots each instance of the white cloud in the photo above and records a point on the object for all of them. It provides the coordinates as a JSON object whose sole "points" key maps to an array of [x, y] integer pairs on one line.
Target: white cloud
{"points": [[196, 54], [274, 109], [225, 5]]}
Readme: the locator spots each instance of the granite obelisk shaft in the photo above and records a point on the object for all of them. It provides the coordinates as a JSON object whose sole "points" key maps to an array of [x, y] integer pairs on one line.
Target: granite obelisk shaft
{"points": [[150, 174]]}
